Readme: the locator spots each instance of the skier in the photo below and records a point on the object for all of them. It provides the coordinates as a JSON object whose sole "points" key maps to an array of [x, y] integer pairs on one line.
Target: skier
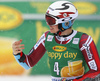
{"points": [[73, 55]]}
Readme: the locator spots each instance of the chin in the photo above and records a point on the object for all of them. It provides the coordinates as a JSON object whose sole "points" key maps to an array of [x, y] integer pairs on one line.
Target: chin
{"points": [[52, 32]]}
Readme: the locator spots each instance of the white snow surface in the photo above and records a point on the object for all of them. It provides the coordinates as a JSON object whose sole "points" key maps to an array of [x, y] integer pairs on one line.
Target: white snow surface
{"points": [[26, 78]]}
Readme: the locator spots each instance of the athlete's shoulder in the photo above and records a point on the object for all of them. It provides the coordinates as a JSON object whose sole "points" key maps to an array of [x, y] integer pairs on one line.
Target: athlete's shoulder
{"points": [[84, 37], [46, 33], [85, 40]]}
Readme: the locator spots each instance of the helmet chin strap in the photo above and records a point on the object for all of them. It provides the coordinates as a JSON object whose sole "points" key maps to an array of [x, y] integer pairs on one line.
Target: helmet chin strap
{"points": [[63, 26], [58, 33]]}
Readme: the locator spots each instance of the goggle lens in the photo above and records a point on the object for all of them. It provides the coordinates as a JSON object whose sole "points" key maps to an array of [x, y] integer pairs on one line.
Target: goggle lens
{"points": [[50, 20]]}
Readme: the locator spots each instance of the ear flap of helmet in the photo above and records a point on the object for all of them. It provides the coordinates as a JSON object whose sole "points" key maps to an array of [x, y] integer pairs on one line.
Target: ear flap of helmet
{"points": [[65, 25]]}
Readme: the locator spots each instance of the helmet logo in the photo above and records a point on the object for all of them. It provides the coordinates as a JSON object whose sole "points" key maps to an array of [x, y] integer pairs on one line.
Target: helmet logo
{"points": [[65, 7], [64, 14]]}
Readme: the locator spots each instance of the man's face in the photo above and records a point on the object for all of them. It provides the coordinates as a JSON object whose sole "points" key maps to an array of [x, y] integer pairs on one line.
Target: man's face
{"points": [[54, 28]]}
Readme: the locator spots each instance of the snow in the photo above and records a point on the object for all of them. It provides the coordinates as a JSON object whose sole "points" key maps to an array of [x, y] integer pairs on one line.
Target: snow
{"points": [[25, 78]]}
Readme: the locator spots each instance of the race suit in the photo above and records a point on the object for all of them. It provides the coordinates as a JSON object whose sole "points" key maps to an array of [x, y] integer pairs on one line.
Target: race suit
{"points": [[71, 56]]}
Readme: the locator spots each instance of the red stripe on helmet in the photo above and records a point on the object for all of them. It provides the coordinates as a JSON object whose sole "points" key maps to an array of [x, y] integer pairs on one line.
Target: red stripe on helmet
{"points": [[65, 14]]}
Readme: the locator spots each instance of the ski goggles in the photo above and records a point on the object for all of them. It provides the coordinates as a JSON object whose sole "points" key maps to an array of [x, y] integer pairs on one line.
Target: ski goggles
{"points": [[51, 20]]}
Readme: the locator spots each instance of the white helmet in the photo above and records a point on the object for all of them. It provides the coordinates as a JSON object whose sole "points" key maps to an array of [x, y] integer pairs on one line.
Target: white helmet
{"points": [[61, 13]]}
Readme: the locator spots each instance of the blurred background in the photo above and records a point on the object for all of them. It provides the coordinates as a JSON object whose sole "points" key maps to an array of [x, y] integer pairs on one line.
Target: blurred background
{"points": [[25, 19]]}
